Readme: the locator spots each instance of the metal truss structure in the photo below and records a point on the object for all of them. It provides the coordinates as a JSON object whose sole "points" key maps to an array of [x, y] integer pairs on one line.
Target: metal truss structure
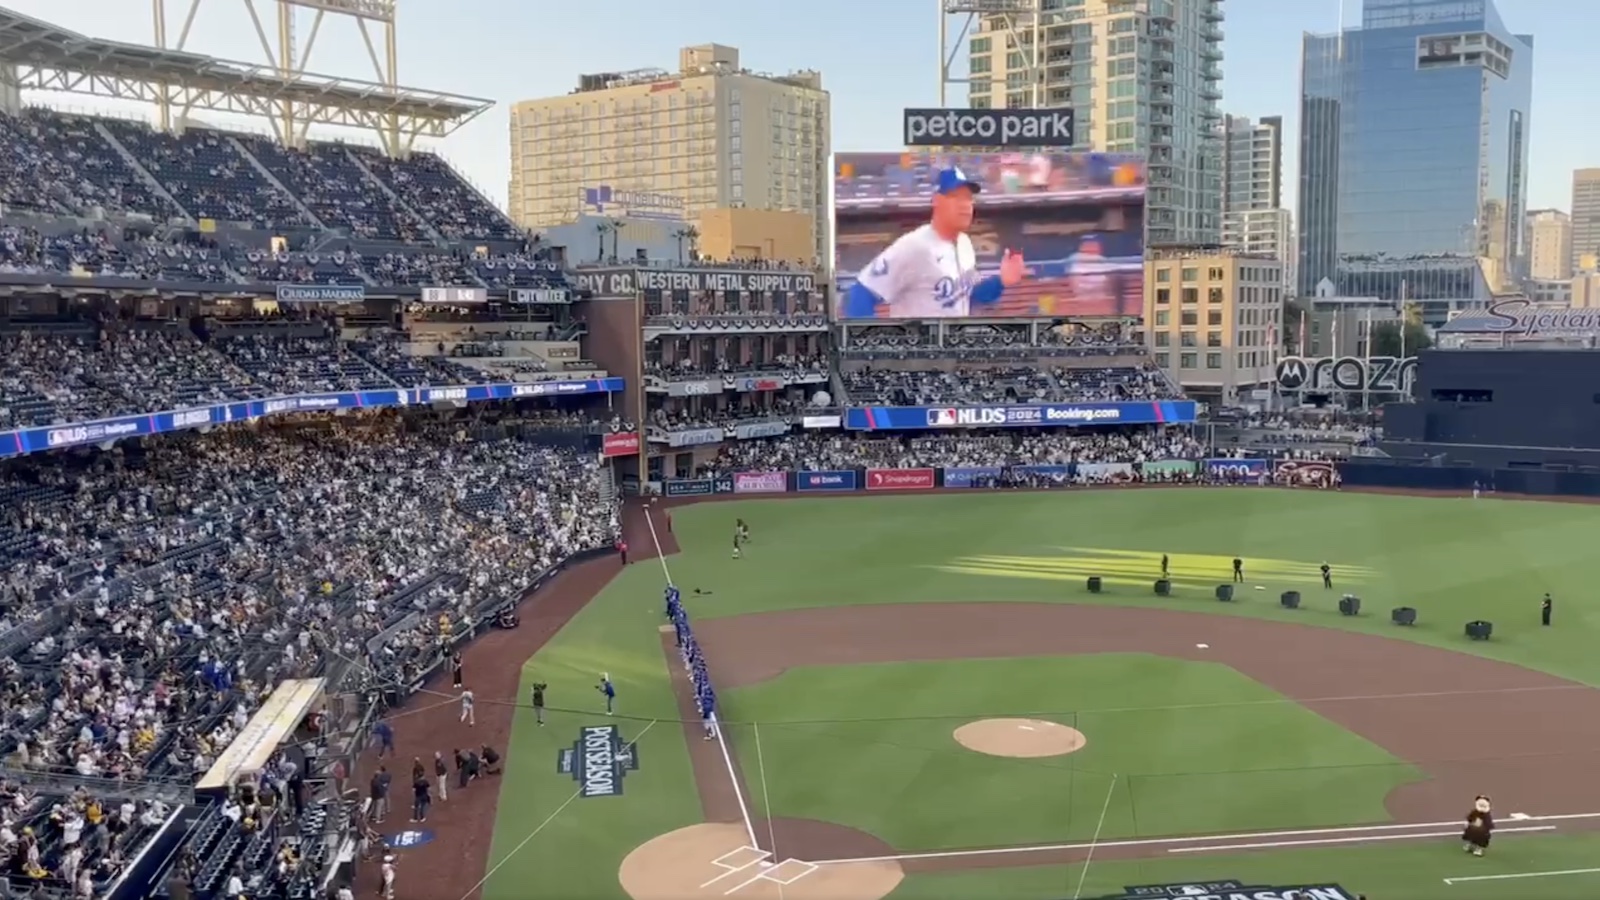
{"points": [[46, 57], [1011, 18]]}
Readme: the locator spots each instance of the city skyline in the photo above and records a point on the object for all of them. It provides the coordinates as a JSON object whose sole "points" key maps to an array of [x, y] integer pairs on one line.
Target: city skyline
{"points": [[875, 65]]}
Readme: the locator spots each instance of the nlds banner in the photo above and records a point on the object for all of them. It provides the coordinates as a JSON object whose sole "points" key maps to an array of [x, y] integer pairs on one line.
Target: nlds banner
{"points": [[619, 444], [761, 483], [900, 479]]}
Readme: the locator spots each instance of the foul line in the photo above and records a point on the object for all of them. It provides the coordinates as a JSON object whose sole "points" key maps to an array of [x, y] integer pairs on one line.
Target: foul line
{"points": [[1466, 878], [1359, 839], [548, 819], [1089, 859], [766, 797], [716, 726], [1192, 839]]}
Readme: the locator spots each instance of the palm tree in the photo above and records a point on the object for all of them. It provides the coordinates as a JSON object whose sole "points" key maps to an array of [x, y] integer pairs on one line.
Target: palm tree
{"points": [[616, 235], [692, 235], [680, 235]]}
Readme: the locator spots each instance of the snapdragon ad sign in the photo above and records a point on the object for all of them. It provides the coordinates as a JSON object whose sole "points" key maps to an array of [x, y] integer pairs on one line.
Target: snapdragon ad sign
{"points": [[598, 760], [988, 127]]}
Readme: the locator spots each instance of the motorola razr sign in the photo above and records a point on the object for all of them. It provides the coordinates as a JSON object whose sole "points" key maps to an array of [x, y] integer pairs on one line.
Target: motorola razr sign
{"points": [[988, 128]]}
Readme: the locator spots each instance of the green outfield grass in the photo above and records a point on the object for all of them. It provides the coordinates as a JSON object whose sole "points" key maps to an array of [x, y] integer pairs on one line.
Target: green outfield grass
{"points": [[1453, 559], [1165, 755]]}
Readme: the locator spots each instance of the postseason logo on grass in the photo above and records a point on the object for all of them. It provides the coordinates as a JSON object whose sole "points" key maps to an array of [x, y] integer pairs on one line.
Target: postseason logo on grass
{"points": [[1232, 890], [598, 760]]}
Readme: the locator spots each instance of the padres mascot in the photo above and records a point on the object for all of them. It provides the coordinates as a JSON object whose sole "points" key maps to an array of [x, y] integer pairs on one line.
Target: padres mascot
{"points": [[1480, 825]]}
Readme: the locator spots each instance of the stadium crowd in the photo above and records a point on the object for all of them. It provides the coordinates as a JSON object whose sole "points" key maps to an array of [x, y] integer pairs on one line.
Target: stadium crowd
{"points": [[63, 164], [96, 370], [1009, 384], [169, 585], [838, 450]]}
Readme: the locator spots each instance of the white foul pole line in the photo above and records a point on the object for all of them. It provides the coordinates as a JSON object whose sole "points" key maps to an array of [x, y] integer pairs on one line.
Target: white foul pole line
{"points": [[716, 726], [1089, 858]]}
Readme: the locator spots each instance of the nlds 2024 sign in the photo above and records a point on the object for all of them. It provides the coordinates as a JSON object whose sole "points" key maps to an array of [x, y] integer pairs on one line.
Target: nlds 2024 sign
{"points": [[1352, 374]]}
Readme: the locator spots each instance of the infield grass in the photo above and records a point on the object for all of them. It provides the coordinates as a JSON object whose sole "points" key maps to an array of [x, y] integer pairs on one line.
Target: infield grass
{"points": [[871, 746], [1453, 559]]}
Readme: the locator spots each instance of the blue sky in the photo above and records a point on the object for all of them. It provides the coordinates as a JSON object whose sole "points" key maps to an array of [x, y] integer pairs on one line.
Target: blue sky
{"points": [[876, 57]]}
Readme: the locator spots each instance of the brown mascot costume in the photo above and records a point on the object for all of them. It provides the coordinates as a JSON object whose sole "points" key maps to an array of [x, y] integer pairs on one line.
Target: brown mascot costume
{"points": [[1480, 825]]}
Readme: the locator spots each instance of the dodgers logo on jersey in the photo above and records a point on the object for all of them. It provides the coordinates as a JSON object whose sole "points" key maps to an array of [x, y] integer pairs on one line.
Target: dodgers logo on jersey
{"points": [[946, 292]]}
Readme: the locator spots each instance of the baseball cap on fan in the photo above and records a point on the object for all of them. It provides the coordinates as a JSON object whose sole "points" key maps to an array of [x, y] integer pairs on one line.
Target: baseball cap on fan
{"points": [[953, 179]]}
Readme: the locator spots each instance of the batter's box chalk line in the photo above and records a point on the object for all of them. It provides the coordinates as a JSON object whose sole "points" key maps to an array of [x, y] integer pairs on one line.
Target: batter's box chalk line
{"points": [[774, 875], [737, 860]]}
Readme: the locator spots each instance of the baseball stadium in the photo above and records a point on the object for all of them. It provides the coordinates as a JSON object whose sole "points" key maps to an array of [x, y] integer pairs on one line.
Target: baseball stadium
{"points": [[360, 538]]}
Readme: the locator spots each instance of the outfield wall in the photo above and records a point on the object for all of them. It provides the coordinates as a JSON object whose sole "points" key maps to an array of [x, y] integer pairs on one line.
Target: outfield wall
{"points": [[1445, 473]]}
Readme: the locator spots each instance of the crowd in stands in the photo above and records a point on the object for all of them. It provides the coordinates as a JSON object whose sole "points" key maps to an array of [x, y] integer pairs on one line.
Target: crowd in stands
{"points": [[165, 587], [983, 342], [839, 450], [783, 364], [91, 371], [1000, 384], [69, 844], [59, 163], [744, 412]]}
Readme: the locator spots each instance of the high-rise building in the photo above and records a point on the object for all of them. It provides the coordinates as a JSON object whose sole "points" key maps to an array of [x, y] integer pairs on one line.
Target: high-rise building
{"points": [[1252, 163], [1141, 76], [710, 135], [1585, 218], [1414, 155], [1213, 319], [1549, 245], [1253, 218]]}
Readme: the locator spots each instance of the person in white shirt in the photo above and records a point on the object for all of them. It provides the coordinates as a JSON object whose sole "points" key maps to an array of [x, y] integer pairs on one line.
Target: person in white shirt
{"points": [[932, 271], [388, 877], [467, 715]]}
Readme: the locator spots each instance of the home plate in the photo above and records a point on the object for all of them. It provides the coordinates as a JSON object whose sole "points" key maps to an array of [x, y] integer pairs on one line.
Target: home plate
{"points": [[1030, 728], [1203, 646]]}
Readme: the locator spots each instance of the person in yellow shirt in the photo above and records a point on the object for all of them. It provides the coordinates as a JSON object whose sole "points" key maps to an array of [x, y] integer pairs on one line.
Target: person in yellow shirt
{"points": [[93, 812]]}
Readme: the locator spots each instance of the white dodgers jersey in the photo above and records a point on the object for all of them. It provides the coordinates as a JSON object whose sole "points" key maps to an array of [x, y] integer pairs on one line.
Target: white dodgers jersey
{"points": [[923, 276]]}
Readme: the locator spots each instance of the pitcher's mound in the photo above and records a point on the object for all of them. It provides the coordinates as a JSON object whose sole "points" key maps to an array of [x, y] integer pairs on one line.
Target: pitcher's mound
{"points": [[1021, 738], [717, 860]]}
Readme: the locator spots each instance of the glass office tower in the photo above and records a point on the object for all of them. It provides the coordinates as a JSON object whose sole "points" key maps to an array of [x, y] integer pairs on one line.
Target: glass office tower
{"points": [[1414, 154]]}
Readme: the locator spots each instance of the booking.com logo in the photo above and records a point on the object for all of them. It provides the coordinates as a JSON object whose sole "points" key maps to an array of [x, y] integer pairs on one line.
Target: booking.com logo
{"points": [[988, 127], [1080, 414]]}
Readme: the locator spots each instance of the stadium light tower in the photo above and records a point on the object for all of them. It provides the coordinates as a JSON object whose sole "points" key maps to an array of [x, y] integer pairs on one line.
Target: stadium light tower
{"points": [[290, 57], [1013, 18]]}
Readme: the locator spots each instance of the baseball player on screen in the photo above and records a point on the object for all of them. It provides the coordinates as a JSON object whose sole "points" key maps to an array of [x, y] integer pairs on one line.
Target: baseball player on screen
{"points": [[932, 272]]}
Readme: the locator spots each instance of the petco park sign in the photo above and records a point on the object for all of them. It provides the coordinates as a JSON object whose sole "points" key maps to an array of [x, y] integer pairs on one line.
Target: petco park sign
{"points": [[988, 127]]}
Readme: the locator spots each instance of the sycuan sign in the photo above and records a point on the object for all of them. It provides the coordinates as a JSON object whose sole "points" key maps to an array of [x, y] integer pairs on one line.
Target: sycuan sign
{"points": [[1522, 318]]}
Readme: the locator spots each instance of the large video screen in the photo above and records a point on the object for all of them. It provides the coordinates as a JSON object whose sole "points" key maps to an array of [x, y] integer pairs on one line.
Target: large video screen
{"points": [[1075, 219]]}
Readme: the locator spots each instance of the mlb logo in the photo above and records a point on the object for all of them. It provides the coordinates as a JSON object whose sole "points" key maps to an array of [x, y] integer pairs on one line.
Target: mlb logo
{"points": [[941, 418]]}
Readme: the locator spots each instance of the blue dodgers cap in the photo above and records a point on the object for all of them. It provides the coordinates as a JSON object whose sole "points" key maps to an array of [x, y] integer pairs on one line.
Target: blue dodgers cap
{"points": [[953, 179]]}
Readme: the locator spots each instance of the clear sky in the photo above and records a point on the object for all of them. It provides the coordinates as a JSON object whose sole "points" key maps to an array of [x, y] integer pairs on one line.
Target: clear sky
{"points": [[876, 56]]}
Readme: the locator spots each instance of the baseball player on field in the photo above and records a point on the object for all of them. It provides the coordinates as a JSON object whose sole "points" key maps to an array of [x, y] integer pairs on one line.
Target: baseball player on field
{"points": [[932, 272]]}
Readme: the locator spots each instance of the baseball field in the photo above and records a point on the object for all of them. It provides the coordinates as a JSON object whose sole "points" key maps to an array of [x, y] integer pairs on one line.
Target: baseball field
{"points": [[920, 698]]}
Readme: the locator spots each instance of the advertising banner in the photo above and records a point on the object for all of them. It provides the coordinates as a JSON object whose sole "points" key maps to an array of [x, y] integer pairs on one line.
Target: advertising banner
{"points": [[1306, 473], [760, 430], [761, 482], [822, 422], [694, 437], [35, 440], [1169, 467], [1076, 219], [983, 476], [1237, 468], [758, 384], [1013, 128], [620, 444], [900, 479], [532, 296], [694, 388], [622, 282], [696, 487], [842, 480], [454, 296], [1057, 474], [908, 418], [321, 293], [1105, 470]]}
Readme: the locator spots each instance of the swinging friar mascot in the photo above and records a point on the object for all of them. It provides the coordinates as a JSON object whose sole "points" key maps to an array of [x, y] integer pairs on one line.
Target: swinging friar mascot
{"points": [[1480, 825]]}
